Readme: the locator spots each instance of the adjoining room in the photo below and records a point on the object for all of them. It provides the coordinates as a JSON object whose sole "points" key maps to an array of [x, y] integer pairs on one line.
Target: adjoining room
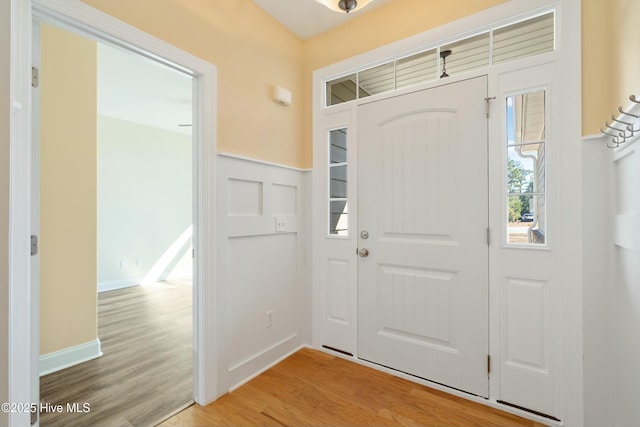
{"points": [[116, 334]]}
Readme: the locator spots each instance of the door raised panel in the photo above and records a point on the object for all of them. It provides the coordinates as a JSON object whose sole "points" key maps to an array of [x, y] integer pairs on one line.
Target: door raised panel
{"points": [[338, 291], [416, 305], [526, 319], [415, 165]]}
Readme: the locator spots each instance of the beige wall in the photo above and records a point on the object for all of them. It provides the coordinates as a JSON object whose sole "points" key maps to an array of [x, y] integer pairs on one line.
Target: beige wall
{"points": [[68, 218], [4, 202], [610, 64], [625, 27], [252, 52], [598, 65], [237, 35]]}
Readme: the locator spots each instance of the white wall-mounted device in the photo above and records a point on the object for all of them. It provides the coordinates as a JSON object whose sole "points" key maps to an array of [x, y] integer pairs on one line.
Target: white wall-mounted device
{"points": [[281, 95]]}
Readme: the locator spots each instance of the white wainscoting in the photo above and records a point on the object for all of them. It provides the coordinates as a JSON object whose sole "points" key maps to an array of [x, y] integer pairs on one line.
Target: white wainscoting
{"points": [[627, 204], [70, 356], [262, 266], [611, 180], [625, 286], [598, 212]]}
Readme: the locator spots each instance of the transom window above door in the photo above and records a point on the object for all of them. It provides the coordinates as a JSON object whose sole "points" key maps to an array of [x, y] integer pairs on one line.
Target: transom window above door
{"points": [[502, 44]]}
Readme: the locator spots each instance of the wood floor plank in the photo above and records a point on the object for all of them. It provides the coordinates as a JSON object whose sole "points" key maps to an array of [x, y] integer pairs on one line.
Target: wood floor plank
{"points": [[146, 371], [312, 388]]}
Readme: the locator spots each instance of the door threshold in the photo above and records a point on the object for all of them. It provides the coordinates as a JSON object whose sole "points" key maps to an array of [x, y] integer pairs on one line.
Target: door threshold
{"points": [[171, 414], [522, 408], [425, 379]]}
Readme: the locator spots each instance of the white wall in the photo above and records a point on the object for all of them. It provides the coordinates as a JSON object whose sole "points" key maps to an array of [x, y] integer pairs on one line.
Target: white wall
{"points": [[259, 269], [598, 287], [625, 285], [612, 284], [144, 202]]}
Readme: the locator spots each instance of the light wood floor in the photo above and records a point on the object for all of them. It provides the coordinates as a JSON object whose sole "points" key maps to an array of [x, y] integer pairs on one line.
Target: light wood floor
{"points": [[312, 388], [146, 371]]}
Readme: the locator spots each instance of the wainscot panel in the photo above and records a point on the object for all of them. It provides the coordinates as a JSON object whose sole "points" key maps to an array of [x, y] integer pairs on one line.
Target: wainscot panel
{"points": [[262, 275]]}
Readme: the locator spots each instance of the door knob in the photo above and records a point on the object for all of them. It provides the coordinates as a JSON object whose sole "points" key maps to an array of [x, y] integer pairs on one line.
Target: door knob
{"points": [[363, 253]]}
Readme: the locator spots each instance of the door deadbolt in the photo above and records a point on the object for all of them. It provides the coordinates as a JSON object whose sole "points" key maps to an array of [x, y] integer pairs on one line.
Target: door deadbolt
{"points": [[364, 234], [363, 253]]}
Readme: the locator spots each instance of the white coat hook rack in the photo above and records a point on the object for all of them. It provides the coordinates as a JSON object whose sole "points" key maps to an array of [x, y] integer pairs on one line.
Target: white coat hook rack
{"points": [[625, 127]]}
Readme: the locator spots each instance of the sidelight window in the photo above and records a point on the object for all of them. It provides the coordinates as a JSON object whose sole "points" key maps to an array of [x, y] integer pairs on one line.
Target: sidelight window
{"points": [[525, 169], [338, 180]]}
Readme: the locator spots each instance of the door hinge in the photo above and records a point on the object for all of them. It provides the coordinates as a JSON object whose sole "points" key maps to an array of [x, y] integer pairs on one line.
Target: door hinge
{"points": [[487, 105], [35, 76], [193, 253], [488, 236], [488, 363], [34, 245], [34, 417]]}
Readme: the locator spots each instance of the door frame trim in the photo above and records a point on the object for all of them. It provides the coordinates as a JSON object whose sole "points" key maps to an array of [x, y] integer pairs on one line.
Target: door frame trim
{"points": [[567, 61], [80, 18]]}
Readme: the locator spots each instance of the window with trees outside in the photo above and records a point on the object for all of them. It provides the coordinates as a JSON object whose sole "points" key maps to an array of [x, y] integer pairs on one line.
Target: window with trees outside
{"points": [[338, 201], [525, 180]]}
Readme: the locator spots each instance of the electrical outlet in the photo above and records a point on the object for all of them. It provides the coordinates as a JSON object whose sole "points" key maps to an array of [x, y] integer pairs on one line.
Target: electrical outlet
{"points": [[281, 225], [269, 318]]}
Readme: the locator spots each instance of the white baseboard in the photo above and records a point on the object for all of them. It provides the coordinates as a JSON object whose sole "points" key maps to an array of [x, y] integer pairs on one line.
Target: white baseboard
{"points": [[266, 368], [68, 357], [112, 285]]}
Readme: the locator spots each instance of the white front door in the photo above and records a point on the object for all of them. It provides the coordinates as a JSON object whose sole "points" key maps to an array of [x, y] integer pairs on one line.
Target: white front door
{"points": [[423, 201]]}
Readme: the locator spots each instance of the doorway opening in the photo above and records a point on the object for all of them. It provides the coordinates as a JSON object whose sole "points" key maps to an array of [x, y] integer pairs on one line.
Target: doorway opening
{"points": [[24, 348], [115, 183]]}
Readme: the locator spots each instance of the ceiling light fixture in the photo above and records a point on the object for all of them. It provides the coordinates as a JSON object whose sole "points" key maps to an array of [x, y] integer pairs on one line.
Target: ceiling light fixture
{"points": [[348, 5], [344, 5], [443, 55]]}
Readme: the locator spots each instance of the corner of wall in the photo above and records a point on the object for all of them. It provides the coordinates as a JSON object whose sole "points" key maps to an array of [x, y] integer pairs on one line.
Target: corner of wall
{"points": [[306, 262]]}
